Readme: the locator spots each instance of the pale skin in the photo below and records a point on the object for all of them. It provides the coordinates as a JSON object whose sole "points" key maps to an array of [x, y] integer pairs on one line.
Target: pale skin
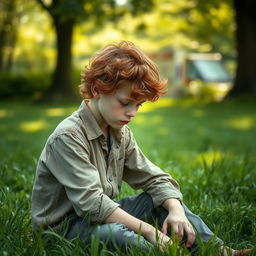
{"points": [[115, 110]]}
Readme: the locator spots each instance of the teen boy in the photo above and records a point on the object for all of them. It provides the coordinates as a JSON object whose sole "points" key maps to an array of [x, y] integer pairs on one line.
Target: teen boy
{"points": [[84, 161]]}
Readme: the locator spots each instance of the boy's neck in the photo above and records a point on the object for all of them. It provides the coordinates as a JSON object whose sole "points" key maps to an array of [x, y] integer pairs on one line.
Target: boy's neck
{"points": [[92, 104], [106, 132]]}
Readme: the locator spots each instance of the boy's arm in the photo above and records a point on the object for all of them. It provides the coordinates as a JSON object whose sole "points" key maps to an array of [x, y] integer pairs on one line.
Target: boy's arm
{"points": [[141, 173], [68, 159], [139, 227], [177, 220]]}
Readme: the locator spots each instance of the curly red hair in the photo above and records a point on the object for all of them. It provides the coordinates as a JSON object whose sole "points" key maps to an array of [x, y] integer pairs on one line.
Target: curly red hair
{"points": [[123, 62]]}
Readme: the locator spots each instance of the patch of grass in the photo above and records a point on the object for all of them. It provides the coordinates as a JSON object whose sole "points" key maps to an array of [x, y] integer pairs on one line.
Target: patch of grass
{"points": [[209, 148]]}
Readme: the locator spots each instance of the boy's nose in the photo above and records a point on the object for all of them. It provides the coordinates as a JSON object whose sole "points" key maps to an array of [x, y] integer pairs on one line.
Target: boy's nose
{"points": [[131, 112]]}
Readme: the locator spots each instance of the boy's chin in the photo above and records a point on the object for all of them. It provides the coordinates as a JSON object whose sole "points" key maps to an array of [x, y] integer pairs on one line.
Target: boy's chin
{"points": [[117, 126]]}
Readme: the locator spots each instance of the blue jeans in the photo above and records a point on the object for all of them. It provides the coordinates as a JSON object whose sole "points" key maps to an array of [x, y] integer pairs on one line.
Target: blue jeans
{"points": [[117, 236]]}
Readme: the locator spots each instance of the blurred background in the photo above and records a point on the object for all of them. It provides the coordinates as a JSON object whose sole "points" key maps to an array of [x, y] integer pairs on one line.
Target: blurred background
{"points": [[45, 44]]}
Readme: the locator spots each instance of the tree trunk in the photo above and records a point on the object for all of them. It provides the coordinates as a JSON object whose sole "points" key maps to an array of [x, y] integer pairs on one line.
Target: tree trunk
{"points": [[2, 48], [12, 43], [245, 81], [8, 31], [62, 83]]}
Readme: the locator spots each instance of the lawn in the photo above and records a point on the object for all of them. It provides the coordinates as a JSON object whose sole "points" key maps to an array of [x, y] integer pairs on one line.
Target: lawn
{"points": [[209, 148]]}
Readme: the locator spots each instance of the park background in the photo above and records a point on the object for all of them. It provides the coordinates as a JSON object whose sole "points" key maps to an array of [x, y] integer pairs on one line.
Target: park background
{"points": [[209, 147]]}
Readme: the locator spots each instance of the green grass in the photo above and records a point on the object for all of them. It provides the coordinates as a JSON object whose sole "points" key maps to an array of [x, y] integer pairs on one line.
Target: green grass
{"points": [[209, 148]]}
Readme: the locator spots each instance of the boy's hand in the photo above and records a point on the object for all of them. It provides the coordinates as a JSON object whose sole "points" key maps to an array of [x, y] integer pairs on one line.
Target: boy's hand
{"points": [[156, 237], [153, 235], [178, 222]]}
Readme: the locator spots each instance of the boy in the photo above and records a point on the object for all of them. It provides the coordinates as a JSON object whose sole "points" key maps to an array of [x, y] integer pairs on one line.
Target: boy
{"points": [[84, 161]]}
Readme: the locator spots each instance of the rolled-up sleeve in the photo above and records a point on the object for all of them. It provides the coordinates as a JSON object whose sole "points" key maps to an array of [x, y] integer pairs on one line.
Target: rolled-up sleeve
{"points": [[68, 160], [140, 172]]}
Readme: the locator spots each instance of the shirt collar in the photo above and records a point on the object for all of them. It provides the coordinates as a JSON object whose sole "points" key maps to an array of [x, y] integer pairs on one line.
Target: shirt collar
{"points": [[93, 130]]}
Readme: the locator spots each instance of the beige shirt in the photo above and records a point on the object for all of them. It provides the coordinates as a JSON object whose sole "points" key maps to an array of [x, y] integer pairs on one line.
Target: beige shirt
{"points": [[76, 172]]}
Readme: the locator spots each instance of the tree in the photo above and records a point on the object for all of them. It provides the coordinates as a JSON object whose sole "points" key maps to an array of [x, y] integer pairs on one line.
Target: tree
{"points": [[65, 15], [8, 31], [245, 37], [245, 81]]}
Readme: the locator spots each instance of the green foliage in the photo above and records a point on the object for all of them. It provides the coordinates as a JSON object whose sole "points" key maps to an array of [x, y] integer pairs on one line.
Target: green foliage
{"points": [[209, 148], [160, 24], [98, 10], [139, 7], [212, 23], [28, 85], [67, 9]]}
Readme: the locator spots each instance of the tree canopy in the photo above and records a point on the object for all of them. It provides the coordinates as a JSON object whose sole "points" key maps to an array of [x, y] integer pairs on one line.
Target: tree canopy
{"points": [[65, 15], [81, 26]]}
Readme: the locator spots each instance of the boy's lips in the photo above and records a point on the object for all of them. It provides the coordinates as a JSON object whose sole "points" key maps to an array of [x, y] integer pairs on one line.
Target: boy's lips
{"points": [[124, 122]]}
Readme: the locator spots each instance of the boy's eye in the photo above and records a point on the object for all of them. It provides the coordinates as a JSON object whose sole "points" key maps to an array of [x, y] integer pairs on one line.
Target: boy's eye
{"points": [[123, 103]]}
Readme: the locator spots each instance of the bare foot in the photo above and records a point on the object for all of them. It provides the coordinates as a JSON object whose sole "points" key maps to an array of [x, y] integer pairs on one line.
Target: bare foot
{"points": [[226, 251], [244, 252]]}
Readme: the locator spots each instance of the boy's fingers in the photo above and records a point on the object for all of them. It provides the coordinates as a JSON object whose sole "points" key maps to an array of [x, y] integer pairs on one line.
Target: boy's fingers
{"points": [[165, 227], [176, 232], [181, 233], [190, 236]]}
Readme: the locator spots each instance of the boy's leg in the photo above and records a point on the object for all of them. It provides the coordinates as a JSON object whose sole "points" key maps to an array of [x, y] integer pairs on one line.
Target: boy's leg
{"points": [[141, 206], [203, 230], [115, 235]]}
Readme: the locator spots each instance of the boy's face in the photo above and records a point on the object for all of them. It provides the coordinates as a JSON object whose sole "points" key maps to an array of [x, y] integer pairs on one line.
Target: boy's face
{"points": [[119, 108]]}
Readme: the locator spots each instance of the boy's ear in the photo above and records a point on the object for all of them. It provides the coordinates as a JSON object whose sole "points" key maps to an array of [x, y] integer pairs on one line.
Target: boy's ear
{"points": [[95, 91]]}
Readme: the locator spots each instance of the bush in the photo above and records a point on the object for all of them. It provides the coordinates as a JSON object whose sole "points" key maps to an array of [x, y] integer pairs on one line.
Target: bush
{"points": [[29, 85]]}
